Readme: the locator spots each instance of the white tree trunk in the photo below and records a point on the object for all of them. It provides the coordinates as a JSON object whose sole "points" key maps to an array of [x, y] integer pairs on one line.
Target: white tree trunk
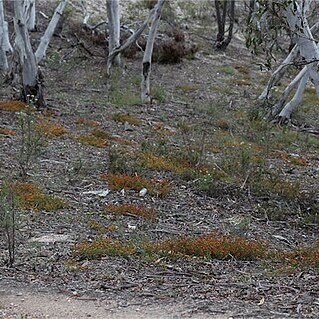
{"points": [[279, 73], [297, 13], [45, 40], [133, 38], [113, 15], [23, 46], [5, 45], [147, 59], [29, 14], [282, 68]]}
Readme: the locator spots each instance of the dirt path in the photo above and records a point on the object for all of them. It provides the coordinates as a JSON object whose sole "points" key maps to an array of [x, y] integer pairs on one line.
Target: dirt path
{"points": [[23, 303]]}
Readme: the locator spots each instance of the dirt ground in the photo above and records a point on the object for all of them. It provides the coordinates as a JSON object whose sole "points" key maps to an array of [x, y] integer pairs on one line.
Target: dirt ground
{"points": [[202, 107]]}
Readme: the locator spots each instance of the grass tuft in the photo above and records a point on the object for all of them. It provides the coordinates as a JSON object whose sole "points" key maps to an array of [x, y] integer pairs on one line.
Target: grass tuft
{"points": [[103, 247], [30, 196], [126, 118]]}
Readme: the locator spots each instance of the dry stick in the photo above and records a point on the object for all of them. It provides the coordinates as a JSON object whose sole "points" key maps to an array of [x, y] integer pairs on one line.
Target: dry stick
{"points": [[129, 41]]}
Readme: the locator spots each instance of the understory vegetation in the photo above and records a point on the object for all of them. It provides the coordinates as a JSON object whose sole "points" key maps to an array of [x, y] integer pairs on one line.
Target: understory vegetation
{"points": [[200, 175]]}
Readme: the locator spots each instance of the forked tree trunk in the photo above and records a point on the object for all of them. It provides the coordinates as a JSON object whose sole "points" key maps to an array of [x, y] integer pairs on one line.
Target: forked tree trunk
{"points": [[147, 59], [307, 50], [283, 67], [113, 15], [5, 45], [133, 38], [32, 84], [296, 15], [29, 14]]}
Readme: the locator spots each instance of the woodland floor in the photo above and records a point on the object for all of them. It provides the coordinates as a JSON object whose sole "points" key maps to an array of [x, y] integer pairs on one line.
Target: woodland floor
{"points": [[203, 114]]}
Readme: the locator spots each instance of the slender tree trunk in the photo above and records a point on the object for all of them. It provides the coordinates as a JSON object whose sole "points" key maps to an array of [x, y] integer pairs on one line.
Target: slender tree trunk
{"points": [[46, 38], [5, 45], [147, 59], [113, 15]]}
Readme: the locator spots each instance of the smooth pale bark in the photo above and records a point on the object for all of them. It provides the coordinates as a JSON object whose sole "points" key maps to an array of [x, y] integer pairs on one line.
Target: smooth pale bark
{"points": [[282, 68], [31, 75], [45, 40], [295, 101], [5, 45], [113, 15], [23, 46], [147, 59], [279, 73], [296, 15], [292, 85], [133, 38], [29, 14]]}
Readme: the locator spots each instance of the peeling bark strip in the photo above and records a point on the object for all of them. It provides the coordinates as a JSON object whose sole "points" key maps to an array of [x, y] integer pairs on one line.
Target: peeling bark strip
{"points": [[113, 15], [45, 40], [5, 45], [29, 14], [147, 59], [133, 38]]}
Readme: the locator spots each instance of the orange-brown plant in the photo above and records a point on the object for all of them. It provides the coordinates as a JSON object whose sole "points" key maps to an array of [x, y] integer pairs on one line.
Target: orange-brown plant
{"points": [[86, 122], [135, 182], [49, 128], [122, 118], [132, 209], [13, 106], [30, 196], [92, 140], [163, 163], [212, 246], [6, 131]]}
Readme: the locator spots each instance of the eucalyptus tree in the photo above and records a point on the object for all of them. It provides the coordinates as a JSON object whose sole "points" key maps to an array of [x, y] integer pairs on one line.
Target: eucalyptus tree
{"points": [[5, 45], [115, 49], [28, 60], [304, 56]]}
